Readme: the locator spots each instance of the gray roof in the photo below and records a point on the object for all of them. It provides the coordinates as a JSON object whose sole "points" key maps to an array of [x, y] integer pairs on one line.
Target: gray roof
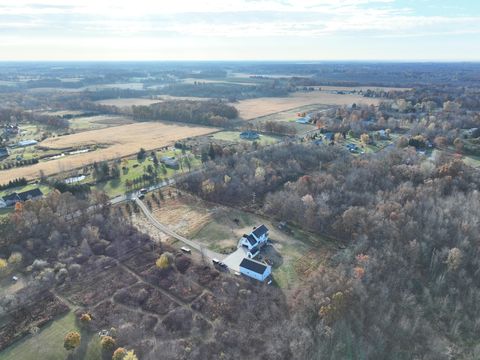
{"points": [[259, 231], [254, 266]]}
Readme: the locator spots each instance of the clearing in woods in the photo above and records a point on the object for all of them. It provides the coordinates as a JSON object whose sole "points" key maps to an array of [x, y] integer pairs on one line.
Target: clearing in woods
{"points": [[116, 142], [219, 228], [254, 108]]}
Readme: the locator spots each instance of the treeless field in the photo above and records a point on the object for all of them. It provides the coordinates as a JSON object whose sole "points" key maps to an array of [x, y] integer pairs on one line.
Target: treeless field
{"points": [[253, 108], [119, 141], [128, 102]]}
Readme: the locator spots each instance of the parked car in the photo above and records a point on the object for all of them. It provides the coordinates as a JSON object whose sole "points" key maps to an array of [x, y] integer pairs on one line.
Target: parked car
{"points": [[219, 263], [143, 191], [186, 250]]}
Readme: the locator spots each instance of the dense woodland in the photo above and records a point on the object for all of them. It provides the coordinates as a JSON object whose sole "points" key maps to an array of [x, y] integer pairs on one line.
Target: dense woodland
{"points": [[85, 258], [406, 286]]}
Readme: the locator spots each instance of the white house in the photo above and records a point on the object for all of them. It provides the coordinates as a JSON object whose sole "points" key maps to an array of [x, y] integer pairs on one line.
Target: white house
{"points": [[255, 240], [255, 269], [261, 234]]}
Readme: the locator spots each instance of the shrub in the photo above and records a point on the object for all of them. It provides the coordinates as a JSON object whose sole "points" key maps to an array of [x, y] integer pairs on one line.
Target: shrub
{"points": [[119, 354], [3, 265], [15, 258], [108, 343], [85, 318], [72, 340], [130, 355], [163, 262]]}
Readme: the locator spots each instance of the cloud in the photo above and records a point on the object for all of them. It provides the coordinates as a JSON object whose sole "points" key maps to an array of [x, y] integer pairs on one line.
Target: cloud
{"points": [[86, 21]]}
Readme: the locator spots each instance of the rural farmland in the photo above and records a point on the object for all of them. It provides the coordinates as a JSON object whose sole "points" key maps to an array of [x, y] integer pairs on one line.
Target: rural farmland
{"points": [[252, 108], [115, 142]]}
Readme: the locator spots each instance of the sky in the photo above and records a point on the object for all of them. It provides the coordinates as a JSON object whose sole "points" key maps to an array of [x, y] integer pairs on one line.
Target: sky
{"points": [[403, 30]]}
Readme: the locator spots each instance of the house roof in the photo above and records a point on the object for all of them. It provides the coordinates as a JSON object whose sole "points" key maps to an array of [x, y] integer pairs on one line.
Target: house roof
{"points": [[259, 231], [11, 197], [34, 193], [251, 240], [253, 265]]}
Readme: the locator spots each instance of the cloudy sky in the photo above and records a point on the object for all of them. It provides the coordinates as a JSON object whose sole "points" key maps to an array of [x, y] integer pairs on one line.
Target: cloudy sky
{"points": [[240, 29]]}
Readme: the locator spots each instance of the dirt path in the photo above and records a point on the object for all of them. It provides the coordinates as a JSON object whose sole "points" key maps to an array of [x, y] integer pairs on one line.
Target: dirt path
{"points": [[199, 247]]}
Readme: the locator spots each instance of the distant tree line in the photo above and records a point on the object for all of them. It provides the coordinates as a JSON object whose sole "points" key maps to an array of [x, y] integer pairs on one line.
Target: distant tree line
{"points": [[231, 92], [14, 183], [214, 113]]}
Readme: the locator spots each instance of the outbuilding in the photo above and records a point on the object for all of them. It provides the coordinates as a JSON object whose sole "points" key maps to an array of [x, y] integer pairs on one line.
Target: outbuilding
{"points": [[255, 269]]}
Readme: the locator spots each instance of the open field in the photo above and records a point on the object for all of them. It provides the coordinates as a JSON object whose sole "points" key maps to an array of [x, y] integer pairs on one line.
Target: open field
{"points": [[116, 142], [125, 86], [234, 136], [48, 343], [98, 122], [127, 102], [43, 188], [253, 108]]}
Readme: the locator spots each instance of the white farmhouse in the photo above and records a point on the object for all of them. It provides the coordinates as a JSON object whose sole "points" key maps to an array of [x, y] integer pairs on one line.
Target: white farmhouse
{"points": [[254, 241]]}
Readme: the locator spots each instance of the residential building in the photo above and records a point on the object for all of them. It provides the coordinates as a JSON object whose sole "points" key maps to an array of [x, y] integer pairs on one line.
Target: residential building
{"points": [[249, 135], [170, 162], [255, 269], [254, 241], [13, 198], [3, 152]]}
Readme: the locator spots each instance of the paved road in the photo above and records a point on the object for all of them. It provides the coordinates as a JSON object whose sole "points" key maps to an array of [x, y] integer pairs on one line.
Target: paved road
{"points": [[133, 195], [192, 244]]}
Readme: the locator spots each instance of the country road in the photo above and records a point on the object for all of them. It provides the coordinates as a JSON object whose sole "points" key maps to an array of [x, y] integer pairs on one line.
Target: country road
{"points": [[192, 244]]}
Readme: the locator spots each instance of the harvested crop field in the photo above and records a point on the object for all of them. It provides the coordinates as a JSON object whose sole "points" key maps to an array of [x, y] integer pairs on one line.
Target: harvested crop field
{"points": [[253, 108], [128, 102], [116, 142]]}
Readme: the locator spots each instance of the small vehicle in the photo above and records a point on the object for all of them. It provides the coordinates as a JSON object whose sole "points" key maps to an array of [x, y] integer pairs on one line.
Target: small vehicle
{"points": [[141, 196], [186, 250], [143, 191], [269, 282], [217, 262], [14, 278]]}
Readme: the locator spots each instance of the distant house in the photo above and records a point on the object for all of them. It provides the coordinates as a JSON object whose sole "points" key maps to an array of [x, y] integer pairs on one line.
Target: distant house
{"points": [[25, 143], [383, 135], [255, 269], [304, 120], [330, 136], [3, 152], [30, 194], [11, 129], [473, 132], [170, 162], [13, 198], [249, 135], [254, 241]]}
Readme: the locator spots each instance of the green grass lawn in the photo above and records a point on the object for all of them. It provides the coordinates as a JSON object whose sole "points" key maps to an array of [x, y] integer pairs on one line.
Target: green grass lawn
{"points": [[5, 212], [45, 189], [135, 169], [48, 343], [234, 136]]}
